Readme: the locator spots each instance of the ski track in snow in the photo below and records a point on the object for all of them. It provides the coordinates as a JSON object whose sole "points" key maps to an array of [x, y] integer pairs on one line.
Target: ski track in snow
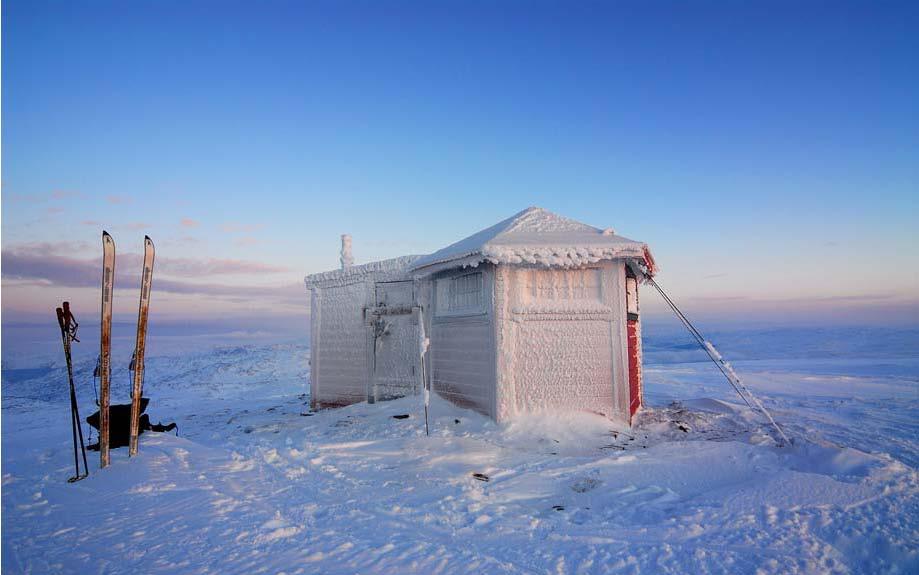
{"points": [[252, 486]]}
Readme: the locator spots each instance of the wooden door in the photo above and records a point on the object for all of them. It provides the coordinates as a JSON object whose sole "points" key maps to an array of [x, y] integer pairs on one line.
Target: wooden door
{"points": [[395, 342]]}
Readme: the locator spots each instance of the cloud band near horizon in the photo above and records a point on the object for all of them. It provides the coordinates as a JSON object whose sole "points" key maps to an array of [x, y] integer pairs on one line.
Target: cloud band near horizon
{"points": [[40, 266]]}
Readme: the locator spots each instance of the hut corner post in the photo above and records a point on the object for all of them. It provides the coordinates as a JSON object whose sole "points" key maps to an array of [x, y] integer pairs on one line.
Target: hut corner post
{"points": [[315, 324]]}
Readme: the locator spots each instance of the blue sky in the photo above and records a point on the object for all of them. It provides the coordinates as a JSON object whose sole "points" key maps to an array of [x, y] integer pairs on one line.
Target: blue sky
{"points": [[768, 151]]}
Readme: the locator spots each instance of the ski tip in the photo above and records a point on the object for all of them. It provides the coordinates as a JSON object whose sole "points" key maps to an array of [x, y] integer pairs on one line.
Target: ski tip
{"points": [[105, 234], [148, 240]]}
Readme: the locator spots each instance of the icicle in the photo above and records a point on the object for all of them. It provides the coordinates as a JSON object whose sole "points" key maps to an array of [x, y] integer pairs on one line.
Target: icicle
{"points": [[423, 344]]}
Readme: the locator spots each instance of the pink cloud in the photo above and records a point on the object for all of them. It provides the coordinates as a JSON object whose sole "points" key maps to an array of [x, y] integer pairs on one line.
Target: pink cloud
{"points": [[64, 194], [39, 267], [41, 198], [43, 261], [237, 228], [247, 241], [22, 198], [52, 248], [189, 223], [197, 267], [118, 199]]}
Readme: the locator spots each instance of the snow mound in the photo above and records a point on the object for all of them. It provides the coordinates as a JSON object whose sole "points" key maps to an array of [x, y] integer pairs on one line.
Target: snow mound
{"points": [[843, 463], [568, 432]]}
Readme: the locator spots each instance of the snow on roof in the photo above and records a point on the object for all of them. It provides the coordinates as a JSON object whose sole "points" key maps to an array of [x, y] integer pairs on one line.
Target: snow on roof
{"points": [[391, 269], [539, 237]]}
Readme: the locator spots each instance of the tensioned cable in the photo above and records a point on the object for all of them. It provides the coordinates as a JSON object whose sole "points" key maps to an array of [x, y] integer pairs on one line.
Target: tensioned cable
{"points": [[719, 362]]}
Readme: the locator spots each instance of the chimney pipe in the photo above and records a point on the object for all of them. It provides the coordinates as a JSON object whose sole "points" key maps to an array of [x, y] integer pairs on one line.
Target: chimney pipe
{"points": [[347, 260]]}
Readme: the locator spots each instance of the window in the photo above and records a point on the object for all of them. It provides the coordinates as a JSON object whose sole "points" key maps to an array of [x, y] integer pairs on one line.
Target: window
{"points": [[631, 297], [461, 295], [564, 285]]}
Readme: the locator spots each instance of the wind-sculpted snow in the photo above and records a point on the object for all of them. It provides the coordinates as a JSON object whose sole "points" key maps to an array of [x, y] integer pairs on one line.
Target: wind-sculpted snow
{"points": [[256, 483]]}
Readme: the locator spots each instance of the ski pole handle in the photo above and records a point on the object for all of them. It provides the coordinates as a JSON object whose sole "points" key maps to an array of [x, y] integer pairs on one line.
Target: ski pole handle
{"points": [[70, 322]]}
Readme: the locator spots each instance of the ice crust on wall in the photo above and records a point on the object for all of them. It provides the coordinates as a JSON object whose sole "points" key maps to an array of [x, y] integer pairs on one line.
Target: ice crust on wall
{"points": [[561, 337], [564, 364], [339, 352]]}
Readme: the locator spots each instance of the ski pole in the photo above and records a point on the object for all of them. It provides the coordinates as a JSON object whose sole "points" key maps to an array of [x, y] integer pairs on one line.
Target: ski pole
{"points": [[70, 323], [66, 335]]}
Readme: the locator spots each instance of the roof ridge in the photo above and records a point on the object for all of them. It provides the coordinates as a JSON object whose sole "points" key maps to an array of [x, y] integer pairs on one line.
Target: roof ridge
{"points": [[536, 219]]}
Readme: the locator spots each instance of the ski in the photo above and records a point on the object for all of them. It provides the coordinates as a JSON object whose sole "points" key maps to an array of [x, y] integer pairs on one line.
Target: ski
{"points": [[69, 327], [137, 363], [105, 352]]}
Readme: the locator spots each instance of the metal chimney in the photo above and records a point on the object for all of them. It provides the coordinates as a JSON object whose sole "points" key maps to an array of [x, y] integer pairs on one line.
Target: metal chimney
{"points": [[347, 260]]}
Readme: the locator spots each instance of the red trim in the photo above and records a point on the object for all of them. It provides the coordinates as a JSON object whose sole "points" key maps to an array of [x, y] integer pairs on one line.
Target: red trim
{"points": [[634, 351]]}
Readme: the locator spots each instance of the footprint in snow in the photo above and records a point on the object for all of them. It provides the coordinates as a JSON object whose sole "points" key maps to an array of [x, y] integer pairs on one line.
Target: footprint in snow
{"points": [[585, 484]]}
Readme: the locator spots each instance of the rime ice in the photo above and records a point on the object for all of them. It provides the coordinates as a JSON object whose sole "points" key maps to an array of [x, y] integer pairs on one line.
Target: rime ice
{"points": [[527, 315]]}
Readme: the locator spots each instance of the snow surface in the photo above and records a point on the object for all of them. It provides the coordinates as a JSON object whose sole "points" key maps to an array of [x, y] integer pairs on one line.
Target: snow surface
{"points": [[250, 485]]}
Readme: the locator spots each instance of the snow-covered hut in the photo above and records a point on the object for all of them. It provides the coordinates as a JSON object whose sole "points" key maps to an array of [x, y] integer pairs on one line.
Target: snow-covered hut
{"points": [[536, 312]]}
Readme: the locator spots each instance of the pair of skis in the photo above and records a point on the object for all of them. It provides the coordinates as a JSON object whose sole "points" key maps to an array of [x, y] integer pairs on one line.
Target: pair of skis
{"points": [[105, 354]]}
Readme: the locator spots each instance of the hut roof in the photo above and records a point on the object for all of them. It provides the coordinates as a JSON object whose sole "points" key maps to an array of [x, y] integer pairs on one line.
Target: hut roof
{"points": [[538, 237], [383, 270]]}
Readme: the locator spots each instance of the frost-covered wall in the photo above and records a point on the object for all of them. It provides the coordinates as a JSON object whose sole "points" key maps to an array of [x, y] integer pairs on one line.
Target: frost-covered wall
{"points": [[341, 346], [462, 350], [560, 337]]}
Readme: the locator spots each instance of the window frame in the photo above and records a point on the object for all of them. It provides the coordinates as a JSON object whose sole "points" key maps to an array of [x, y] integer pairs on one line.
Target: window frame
{"points": [[449, 289]]}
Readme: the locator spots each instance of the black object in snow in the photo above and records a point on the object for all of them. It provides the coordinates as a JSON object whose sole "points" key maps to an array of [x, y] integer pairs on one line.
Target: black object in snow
{"points": [[120, 424]]}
